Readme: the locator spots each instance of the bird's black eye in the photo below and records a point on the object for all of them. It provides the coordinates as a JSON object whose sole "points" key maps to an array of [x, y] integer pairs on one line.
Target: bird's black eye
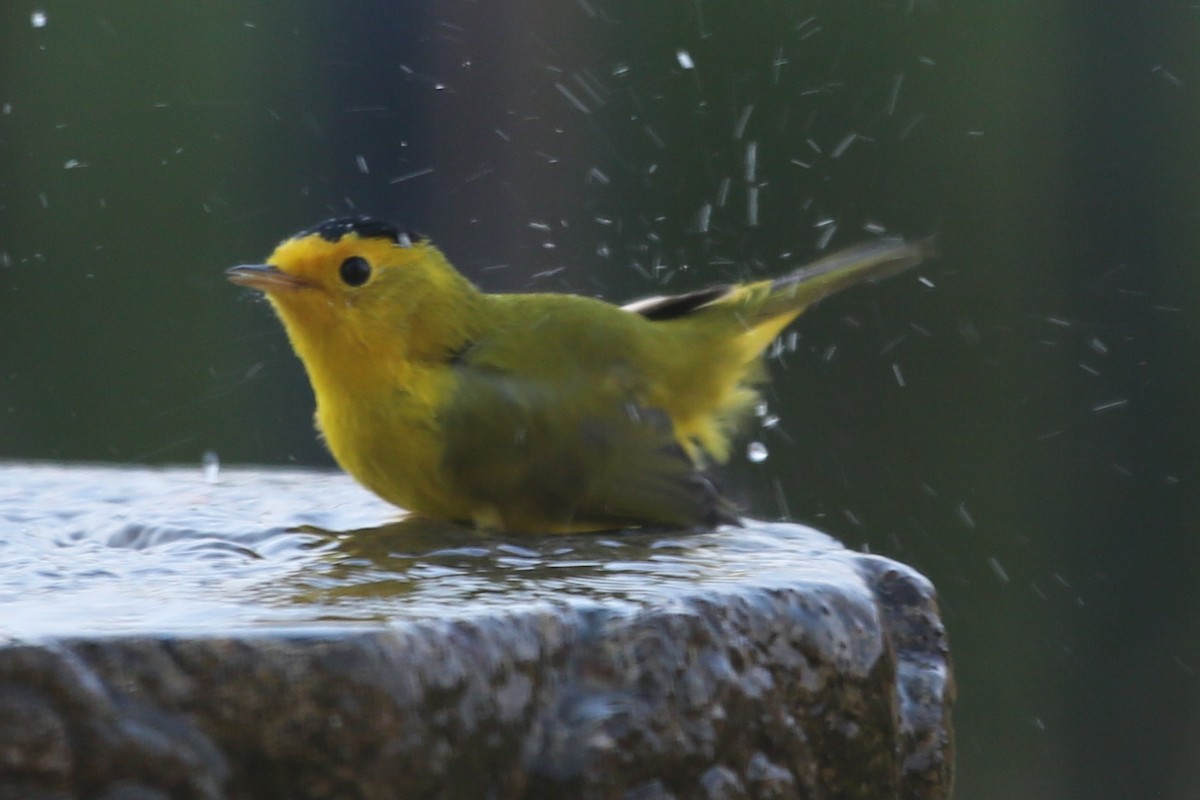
{"points": [[355, 270]]}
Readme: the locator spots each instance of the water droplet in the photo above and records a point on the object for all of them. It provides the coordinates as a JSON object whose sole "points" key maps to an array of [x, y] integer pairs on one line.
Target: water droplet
{"points": [[739, 129], [998, 568], [1110, 405], [826, 235], [211, 465], [756, 452], [842, 146]]}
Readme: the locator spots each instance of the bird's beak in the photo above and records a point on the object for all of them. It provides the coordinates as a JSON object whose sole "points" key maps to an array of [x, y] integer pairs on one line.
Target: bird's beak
{"points": [[263, 277]]}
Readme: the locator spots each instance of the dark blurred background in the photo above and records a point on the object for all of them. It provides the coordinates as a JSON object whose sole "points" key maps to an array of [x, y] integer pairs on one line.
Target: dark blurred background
{"points": [[1019, 423]]}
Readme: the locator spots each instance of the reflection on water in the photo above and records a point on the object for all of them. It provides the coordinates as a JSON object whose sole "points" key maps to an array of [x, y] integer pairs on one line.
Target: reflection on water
{"points": [[88, 550]]}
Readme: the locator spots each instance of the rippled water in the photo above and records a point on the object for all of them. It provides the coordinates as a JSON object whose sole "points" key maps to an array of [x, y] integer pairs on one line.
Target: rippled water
{"points": [[103, 549]]}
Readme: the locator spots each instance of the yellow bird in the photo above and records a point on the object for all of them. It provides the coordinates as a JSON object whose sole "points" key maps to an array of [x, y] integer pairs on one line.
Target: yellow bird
{"points": [[530, 412]]}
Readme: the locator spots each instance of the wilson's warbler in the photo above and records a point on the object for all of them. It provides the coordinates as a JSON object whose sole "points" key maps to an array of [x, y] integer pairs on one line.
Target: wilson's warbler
{"points": [[530, 412]]}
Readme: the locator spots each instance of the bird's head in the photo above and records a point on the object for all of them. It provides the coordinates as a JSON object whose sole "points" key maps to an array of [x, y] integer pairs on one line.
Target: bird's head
{"points": [[355, 284]]}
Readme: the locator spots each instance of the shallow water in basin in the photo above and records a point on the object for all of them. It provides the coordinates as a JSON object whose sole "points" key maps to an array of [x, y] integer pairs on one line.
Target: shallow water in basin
{"points": [[96, 550]]}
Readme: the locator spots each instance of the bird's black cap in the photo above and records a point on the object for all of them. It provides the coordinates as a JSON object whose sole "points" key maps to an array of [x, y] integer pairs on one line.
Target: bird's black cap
{"points": [[332, 230]]}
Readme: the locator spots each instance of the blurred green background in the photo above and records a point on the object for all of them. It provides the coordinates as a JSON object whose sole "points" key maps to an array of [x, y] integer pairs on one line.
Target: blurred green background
{"points": [[1020, 425]]}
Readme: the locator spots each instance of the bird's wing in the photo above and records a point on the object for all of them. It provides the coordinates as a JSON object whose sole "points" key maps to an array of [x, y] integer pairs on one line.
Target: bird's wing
{"points": [[568, 456]]}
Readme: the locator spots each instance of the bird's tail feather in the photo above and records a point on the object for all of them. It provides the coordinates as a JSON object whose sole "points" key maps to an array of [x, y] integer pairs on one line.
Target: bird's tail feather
{"points": [[866, 262]]}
